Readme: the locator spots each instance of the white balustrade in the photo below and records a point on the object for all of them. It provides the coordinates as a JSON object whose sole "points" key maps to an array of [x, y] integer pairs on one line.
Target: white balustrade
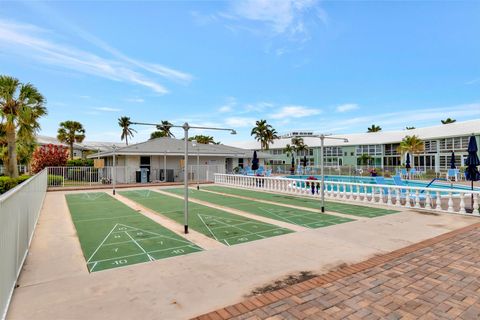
{"points": [[419, 198]]}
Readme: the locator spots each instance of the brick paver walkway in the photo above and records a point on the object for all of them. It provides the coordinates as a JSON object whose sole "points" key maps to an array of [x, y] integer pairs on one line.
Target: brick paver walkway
{"points": [[435, 279]]}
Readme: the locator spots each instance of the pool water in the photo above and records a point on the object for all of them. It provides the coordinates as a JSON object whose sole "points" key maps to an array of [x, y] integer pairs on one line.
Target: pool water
{"points": [[388, 181]]}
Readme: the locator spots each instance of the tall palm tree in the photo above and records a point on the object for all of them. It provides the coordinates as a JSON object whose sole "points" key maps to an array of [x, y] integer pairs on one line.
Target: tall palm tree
{"points": [[412, 145], [264, 133], [448, 121], [165, 127], [124, 123], [289, 150], [374, 128], [200, 138], [21, 106], [157, 134], [71, 132], [298, 145]]}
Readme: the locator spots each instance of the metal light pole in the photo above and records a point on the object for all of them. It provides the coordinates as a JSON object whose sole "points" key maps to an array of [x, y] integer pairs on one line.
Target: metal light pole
{"points": [[185, 177], [114, 168], [186, 127], [322, 146]]}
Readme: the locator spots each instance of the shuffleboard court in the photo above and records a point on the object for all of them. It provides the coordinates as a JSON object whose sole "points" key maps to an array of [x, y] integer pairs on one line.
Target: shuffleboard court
{"points": [[113, 235], [220, 225], [351, 209], [295, 216]]}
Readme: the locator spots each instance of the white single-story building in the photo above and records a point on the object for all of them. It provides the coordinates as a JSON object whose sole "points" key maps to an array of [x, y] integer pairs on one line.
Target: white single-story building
{"points": [[164, 159]]}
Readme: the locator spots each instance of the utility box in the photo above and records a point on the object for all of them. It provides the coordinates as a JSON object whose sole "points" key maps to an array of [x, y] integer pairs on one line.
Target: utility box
{"points": [[144, 175], [169, 177]]}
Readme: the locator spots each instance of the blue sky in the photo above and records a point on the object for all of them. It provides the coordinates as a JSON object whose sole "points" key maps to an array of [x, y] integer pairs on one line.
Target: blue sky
{"points": [[330, 66]]}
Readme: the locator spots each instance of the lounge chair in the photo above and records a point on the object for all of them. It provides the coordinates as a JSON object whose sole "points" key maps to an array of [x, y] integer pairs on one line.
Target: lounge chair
{"points": [[381, 180], [268, 172], [453, 173], [279, 170], [413, 173]]}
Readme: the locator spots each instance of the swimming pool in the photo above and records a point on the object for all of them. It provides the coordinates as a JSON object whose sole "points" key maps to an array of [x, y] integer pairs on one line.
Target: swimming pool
{"points": [[388, 181]]}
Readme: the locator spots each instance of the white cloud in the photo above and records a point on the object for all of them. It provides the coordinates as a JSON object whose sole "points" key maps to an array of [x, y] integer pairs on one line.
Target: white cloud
{"points": [[34, 43], [286, 16], [137, 100], [473, 81], [295, 112], [225, 108], [347, 107], [107, 109], [228, 106], [238, 122]]}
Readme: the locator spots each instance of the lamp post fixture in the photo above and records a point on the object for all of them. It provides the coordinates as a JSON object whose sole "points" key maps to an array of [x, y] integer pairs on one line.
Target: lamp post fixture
{"points": [[322, 145], [186, 127], [195, 144]]}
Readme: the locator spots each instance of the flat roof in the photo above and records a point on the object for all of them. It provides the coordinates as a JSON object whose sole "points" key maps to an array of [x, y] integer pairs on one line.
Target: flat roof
{"points": [[456, 129]]}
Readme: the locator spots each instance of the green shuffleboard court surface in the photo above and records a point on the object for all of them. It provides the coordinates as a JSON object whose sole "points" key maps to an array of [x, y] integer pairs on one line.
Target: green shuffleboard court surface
{"points": [[113, 235], [295, 216], [351, 209], [222, 226]]}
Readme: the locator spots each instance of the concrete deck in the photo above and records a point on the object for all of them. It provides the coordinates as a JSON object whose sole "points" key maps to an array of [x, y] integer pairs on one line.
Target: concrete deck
{"points": [[55, 283]]}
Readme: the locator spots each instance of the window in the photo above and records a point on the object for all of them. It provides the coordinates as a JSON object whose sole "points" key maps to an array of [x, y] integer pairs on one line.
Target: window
{"points": [[431, 146], [391, 149], [333, 151], [371, 150]]}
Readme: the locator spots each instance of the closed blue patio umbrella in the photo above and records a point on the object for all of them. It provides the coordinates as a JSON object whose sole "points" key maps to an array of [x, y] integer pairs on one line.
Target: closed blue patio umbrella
{"points": [[255, 161], [472, 163], [292, 169], [452, 161], [407, 162]]}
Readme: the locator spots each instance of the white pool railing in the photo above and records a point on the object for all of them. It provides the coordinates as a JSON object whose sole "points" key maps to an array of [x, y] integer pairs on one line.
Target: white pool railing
{"points": [[430, 199]]}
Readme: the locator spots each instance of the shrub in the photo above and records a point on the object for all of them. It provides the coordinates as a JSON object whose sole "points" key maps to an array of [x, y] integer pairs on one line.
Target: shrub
{"points": [[80, 163], [22, 178], [7, 183], [49, 156], [54, 180]]}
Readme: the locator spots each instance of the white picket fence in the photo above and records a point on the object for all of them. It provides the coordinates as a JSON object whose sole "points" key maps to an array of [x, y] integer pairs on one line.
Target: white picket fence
{"points": [[90, 176], [431, 199], [19, 211]]}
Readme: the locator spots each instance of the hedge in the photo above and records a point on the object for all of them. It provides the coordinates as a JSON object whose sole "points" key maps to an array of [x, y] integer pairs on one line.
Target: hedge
{"points": [[80, 163], [7, 183]]}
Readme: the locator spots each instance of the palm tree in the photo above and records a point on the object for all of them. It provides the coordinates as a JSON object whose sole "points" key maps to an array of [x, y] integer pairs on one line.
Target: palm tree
{"points": [[165, 127], [448, 121], [157, 134], [21, 106], [289, 150], [124, 123], [412, 145], [71, 132], [365, 159], [264, 133], [200, 138], [298, 145], [374, 128]]}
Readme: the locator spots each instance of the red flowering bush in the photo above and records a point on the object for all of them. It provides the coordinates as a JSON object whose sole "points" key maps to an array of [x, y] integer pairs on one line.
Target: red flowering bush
{"points": [[49, 156]]}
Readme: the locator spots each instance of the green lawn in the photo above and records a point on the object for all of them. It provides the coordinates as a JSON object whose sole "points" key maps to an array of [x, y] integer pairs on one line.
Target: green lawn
{"points": [[295, 216], [354, 210], [112, 234], [222, 226]]}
